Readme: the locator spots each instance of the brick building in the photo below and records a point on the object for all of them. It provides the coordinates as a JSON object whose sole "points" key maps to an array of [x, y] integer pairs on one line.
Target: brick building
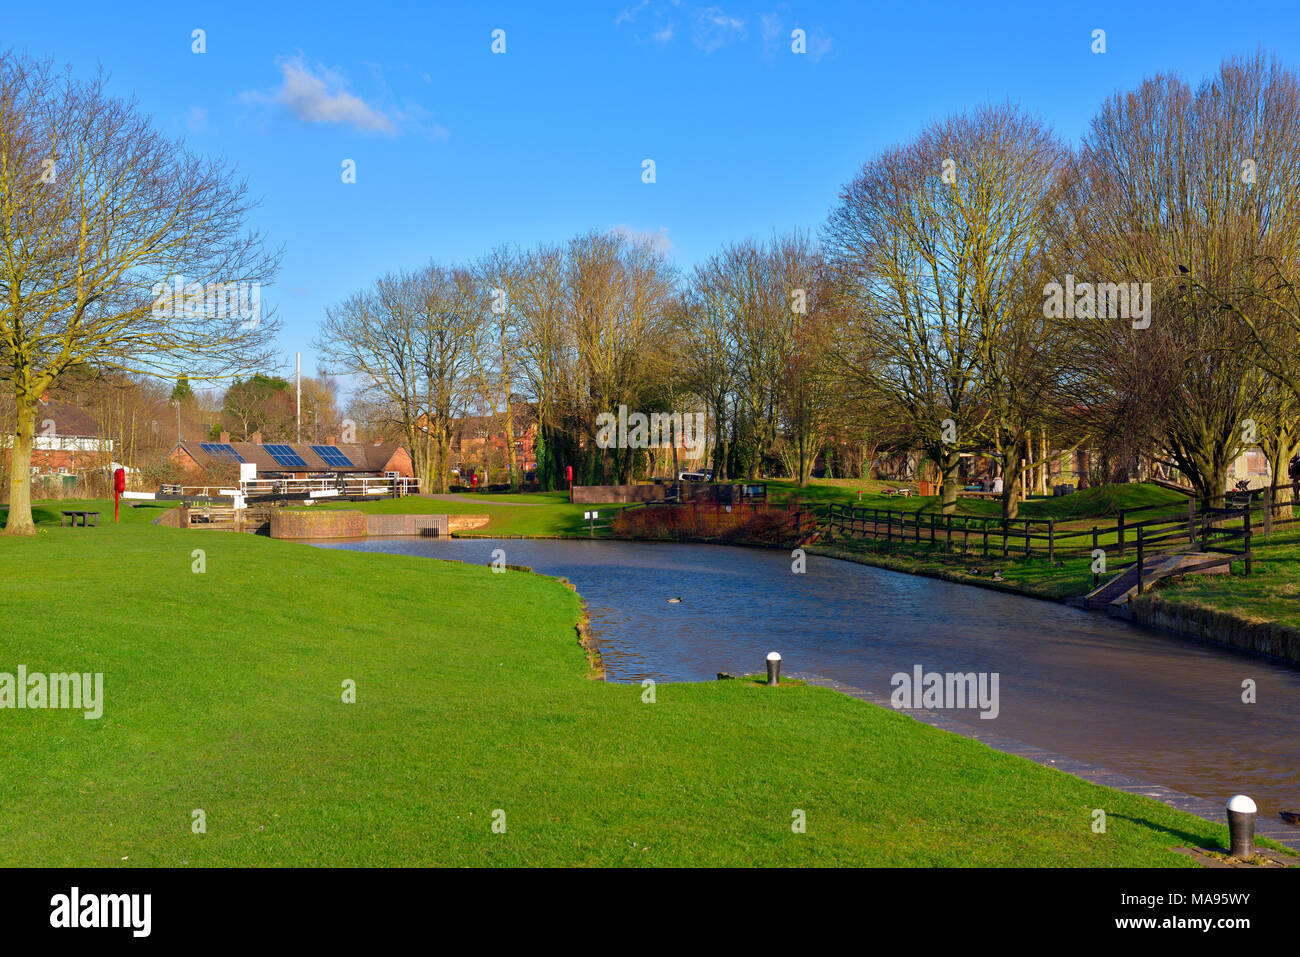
{"points": [[68, 440], [298, 460]]}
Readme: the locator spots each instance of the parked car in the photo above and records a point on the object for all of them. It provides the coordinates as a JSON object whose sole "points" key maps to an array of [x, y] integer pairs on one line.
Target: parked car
{"points": [[705, 476]]}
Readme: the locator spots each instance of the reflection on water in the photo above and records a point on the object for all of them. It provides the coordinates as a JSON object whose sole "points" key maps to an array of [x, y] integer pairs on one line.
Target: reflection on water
{"points": [[1162, 708]]}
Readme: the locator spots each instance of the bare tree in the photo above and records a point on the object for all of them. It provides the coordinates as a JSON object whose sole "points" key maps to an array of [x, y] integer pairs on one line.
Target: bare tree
{"points": [[409, 339], [1190, 191], [934, 243], [102, 220]]}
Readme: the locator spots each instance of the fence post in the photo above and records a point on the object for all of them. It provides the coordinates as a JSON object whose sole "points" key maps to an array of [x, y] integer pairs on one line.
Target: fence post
{"points": [[985, 523], [1191, 523], [1245, 520], [948, 523], [1096, 576], [1051, 540], [917, 535], [1268, 509], [1141, 575], [1004, 538], [932, 528], [1026, 538], [1119, 532]]}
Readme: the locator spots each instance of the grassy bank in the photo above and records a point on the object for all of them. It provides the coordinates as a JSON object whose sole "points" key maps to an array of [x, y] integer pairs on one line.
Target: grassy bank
{"points": [[537, 514], [1102, 502], [223, 693], [1271, 593], [1036, 576]]}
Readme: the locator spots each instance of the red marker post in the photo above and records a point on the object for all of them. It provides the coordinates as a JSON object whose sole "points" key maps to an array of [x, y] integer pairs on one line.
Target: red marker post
{"points": [[119, 486]]}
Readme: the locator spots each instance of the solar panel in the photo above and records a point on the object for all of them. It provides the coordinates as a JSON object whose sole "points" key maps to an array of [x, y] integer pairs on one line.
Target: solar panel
{"points": [[286, 456], [332, 455], [221, 450]]}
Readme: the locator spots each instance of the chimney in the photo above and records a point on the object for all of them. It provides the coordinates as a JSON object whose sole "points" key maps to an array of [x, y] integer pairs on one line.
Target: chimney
{"points": [[257, 437], [225, 438], [330, 440]]}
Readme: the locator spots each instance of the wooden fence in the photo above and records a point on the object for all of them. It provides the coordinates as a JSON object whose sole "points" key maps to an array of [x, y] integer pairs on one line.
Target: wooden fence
{"points": [[1164, 527]]}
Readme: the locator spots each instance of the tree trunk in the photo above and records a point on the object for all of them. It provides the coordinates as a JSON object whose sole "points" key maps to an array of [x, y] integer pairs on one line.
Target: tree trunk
{"points": [[1013, 473], [20, 470], [1279, 449], [949, 461], [1283, 488], [511, 458]]}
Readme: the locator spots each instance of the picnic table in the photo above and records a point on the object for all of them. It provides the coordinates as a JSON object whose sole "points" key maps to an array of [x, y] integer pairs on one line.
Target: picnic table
{"points": [[87, 518]]}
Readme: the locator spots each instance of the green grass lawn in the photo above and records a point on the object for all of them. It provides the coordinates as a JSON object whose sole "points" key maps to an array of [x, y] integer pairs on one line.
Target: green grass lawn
{"points": [[536, 514], [1034, 576], [223, 693], [1101, 502]]}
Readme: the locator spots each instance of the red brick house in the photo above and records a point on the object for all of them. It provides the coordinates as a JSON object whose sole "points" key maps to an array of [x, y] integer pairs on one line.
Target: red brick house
{"points": [[68, 440]]}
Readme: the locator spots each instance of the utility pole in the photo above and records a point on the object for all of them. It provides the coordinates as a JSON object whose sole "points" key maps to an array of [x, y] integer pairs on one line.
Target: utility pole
{"points": [[299, 396]]}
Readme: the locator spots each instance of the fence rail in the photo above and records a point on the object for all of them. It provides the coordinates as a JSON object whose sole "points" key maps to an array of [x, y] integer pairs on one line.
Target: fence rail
{"points": [[343, 486], [1227, 530]]}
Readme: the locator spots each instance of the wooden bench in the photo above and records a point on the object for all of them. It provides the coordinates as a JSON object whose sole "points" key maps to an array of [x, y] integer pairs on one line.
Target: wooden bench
{"points": [[87, 518]]}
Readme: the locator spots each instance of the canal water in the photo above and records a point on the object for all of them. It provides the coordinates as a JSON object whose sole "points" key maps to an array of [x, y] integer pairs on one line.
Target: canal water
{"points": [[1161, 708]]}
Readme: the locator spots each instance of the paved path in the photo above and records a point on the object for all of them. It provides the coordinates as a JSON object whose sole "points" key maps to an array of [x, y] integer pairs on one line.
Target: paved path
{"points": [[1272, 828]]}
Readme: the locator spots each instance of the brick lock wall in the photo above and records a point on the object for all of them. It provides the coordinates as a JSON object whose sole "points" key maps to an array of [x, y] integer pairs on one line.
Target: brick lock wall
{"points": [[386, 525], [322, 524], [459, 523]]}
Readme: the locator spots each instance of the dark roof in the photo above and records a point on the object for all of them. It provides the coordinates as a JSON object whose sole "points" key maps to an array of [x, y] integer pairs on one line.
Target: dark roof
{"points": [[68, 419], [364, 458]]}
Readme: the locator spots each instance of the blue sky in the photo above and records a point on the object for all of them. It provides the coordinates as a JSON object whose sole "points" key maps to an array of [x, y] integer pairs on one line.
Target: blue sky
{"points": [[458, 149]]}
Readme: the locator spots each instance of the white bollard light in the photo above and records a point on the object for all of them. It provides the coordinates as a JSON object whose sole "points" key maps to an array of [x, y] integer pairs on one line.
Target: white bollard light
{"points": [[773, 668], [1241, 827]]}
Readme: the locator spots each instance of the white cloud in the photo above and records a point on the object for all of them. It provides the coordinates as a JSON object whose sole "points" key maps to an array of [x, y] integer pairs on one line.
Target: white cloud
{"points": [[656, 238], [664, 35], [629, 13], [321, 96], [196, 121], [819, 44], [714, 29]]}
